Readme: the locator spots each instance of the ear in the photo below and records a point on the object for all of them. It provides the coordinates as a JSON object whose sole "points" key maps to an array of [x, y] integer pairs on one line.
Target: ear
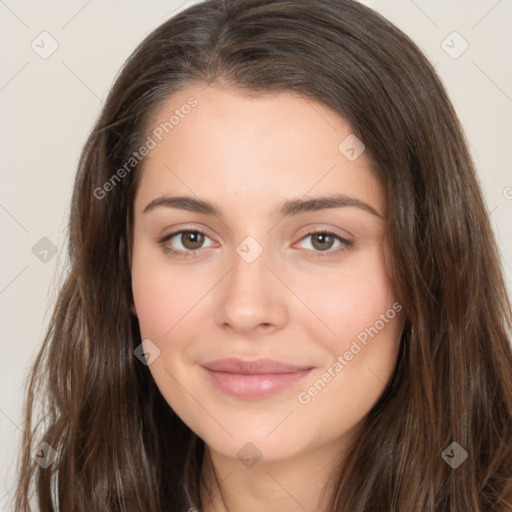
{"points": [[134, 309]]}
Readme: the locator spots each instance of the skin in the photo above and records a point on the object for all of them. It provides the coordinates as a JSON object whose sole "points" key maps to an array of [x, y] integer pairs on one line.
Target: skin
{"points": [[246, 154]]}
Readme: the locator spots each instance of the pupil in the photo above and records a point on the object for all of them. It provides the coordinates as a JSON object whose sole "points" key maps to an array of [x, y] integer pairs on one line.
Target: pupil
{"points": [[323, 240], [192, 235]]}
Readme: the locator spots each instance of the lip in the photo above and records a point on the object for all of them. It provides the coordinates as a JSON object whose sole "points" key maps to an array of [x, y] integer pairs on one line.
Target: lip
{"points": [[253, 379]]}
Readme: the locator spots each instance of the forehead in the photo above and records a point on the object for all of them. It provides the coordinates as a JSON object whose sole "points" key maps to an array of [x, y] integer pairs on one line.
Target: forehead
{"points": [[259, 148]]}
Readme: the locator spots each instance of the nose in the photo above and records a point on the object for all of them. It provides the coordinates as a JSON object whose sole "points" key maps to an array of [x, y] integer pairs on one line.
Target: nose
{"points": [[251, 298]]}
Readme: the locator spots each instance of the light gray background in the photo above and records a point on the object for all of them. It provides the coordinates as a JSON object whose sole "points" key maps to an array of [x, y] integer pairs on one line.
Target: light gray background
{"points": [[48, 107]]}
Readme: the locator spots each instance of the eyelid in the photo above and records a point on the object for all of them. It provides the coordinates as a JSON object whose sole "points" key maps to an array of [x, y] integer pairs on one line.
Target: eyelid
{"points": [[327, 229], [186, 229], [344, 242]]}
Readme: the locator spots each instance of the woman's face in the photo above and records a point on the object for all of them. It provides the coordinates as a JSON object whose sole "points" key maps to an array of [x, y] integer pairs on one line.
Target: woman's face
{"points": [[250, 279]]}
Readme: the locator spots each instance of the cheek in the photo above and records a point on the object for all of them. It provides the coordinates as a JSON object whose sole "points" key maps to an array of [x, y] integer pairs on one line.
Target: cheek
{"points": [[153, 298], [348, 299], [360, 324], [163, 295], [164, 298]]}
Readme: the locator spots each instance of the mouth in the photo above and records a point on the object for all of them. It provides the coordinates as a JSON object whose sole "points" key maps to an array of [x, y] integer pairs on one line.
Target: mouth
{"points": [[253, 379]]}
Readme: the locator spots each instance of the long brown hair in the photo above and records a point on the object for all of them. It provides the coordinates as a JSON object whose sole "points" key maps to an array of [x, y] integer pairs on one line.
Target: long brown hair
{"points": [[119, 446]]}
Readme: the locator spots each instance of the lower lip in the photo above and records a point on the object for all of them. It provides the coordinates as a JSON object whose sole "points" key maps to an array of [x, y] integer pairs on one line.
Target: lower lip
{"points": [[254, 386]]}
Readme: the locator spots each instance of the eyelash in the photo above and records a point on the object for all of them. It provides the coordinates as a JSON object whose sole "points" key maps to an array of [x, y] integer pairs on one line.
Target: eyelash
{"points": [[345, 244]]}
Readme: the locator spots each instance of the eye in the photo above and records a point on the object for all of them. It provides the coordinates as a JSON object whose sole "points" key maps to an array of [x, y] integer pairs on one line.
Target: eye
{"points": [[191, 241], [323, 241]]}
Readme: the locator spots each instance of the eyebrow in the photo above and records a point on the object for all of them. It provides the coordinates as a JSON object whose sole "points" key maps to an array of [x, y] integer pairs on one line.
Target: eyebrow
{"points": [[286, 208]]}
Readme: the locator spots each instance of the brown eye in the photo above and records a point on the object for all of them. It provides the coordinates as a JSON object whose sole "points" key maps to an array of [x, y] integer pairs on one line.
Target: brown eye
{"points": [[192, 240], [326, 243], [184, 243], [322, 241]]}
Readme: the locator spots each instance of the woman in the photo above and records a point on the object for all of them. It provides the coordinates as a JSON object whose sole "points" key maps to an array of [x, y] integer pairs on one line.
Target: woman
{"points": [[284, 290]]}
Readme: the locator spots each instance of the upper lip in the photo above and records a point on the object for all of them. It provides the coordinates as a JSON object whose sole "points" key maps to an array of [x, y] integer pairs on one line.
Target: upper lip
{"points": [[256, 366]]}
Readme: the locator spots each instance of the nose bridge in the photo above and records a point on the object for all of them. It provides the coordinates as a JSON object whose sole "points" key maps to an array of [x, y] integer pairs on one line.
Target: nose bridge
{"points": [[250, 294], [250, 275]]}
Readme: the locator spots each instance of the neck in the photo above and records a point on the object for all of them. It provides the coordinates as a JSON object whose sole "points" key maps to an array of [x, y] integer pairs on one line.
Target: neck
{"points": [[304, 482]]}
